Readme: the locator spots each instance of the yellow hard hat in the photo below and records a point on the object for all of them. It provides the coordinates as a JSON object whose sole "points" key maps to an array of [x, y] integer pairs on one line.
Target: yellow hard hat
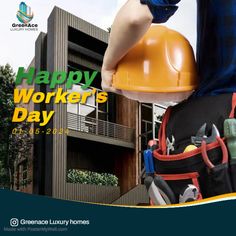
{"points": [[162, 62]]}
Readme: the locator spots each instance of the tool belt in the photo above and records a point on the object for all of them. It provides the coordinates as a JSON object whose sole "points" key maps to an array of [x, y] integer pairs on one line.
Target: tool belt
{"points": [[208, 166]]}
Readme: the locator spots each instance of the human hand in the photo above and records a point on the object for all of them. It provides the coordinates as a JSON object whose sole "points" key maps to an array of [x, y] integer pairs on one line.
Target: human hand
{"points": [[107, 77]]}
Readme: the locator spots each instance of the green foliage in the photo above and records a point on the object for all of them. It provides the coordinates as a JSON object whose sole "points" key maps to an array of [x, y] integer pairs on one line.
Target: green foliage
{"points": [[25, 182], [89, 177], [7, 86], [3, 176], [11, 146], [7, 106]]}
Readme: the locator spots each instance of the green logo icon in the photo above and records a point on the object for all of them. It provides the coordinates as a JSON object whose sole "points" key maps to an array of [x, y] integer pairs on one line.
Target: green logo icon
{"points": [[24, 14]]}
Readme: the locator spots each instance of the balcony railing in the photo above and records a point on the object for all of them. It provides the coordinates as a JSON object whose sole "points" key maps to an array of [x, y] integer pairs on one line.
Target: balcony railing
{"points": [[107, 129]]}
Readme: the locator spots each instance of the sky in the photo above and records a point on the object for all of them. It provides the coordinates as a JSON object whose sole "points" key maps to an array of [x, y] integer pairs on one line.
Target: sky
{"points": [[17, 48]]}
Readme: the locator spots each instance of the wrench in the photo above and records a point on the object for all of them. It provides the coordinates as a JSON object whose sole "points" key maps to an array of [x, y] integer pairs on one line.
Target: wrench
{"points": [[201, 136], [170, 144]]}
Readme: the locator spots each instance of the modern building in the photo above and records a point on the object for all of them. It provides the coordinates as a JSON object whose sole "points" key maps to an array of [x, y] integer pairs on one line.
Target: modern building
{"points": [[104, 138]]}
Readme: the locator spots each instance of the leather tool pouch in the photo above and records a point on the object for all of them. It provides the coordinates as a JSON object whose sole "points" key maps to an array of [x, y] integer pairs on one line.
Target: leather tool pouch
{"points": [[181, 168], [232, 169]]}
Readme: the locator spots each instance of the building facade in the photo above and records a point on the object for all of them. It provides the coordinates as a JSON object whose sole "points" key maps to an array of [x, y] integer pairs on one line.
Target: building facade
{"points": [[104, 138]]}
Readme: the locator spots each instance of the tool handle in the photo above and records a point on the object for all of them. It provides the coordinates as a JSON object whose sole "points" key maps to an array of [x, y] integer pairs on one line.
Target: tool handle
{"points": [[154, 192], [223, 149], [148, 161], [165, 190], [205, 156], [230, 135]]}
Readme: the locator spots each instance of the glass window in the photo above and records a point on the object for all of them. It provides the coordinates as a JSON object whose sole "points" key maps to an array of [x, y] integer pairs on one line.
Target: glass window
{"points": [[91, 108], [87, 111], [91, 99], [102, 116], [158, 112], [72, 108], [102, 107]]}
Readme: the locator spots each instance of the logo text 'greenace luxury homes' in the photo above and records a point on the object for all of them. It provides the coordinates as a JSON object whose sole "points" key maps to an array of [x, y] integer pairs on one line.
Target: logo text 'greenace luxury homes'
{"points": [[24, 15]]}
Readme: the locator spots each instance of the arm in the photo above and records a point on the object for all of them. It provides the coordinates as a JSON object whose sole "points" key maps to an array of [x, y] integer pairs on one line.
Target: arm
{"points": [[131, 23]]}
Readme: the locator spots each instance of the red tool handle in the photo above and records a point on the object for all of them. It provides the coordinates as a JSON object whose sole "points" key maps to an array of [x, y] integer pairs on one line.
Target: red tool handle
{"points": [[224, 153]]}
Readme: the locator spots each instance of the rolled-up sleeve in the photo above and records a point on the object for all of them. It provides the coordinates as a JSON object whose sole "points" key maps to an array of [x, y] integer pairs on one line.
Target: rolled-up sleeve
{"points": [[161, 10]]}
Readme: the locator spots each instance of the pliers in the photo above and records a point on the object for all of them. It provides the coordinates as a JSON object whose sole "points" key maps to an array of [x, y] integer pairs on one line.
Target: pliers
{"points": [[201, 140]]}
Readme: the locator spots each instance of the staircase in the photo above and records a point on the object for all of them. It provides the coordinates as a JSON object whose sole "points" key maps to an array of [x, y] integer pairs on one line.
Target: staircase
{"points": [[136, 196]]}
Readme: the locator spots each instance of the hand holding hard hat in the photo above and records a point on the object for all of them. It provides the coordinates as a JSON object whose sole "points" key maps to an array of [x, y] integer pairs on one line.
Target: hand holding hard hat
{"points": [[159, 68]]}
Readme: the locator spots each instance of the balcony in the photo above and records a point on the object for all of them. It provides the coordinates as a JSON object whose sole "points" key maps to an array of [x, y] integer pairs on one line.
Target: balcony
{"points": [[98, 130]]}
